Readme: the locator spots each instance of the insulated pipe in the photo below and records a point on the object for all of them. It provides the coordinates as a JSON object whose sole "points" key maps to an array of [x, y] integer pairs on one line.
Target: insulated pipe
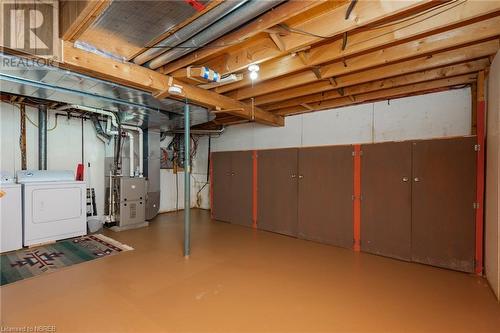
{"points": [[141, 148], [243, 14], [42, 137], [108, 127], [189, 30], [187, 183], [131, 153]]}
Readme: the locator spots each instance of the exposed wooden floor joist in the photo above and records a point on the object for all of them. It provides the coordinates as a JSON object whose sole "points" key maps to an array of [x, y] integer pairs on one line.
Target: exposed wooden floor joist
{"points": [[427, 75], [381, 94], [471, 52], [365, 12], [428, 46], [454, 16]]}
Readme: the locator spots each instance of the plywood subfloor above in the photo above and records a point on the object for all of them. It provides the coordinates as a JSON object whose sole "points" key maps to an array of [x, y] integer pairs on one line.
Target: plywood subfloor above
{"points": [[241, 280]]}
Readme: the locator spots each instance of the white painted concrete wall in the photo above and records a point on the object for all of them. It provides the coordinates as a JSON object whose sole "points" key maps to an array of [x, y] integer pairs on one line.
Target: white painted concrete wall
{"points": [[170, 197], [492, 211], [420, 117], [63, 146]]}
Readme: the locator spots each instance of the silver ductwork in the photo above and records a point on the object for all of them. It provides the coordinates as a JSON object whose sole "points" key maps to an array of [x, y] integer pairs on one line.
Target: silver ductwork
{"points": [[101, 134], [241, 15], [189, 30]]}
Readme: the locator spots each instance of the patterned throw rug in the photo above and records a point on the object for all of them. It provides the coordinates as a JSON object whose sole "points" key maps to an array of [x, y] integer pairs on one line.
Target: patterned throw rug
{"points": [[26, 263]]}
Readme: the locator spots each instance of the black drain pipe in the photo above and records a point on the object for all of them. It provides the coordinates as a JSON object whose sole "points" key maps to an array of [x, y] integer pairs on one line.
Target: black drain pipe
{"points": [[42, 137]]}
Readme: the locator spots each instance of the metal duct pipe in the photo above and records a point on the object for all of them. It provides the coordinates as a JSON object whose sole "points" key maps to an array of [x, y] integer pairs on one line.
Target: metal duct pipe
{"points": [[101, 134], [42, 137], [187, 183], [141, 148], [243, 14], [189, 30], [131, 153]]}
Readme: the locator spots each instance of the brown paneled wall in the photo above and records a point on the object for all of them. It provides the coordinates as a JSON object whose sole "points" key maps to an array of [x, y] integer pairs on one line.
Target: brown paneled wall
{"points": [[325, 195], [443, 210], [232, 187], [386, 199], [277, 191], [417, 197]]}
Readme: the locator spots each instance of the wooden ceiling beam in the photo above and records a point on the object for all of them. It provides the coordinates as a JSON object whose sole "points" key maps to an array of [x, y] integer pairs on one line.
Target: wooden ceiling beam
{"points": [[393, 82], [278, 41], [145, 79], [76, 16], [318, 27], [381, 94], [429, 45], [466, 53], [277, 15], [451, 16]]}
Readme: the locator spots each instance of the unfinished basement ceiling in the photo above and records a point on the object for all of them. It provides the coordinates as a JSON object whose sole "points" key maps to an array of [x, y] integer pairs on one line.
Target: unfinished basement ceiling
{"points": [[134, 107], [125, 27]]}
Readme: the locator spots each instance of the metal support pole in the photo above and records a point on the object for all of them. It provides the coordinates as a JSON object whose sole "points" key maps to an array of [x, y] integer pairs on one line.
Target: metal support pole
{"points": [[42, 137], [187, 182]]}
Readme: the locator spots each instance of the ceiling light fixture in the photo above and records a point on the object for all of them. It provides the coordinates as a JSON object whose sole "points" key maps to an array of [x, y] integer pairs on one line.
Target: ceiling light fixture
{"points": [[254, 69], [254, 75], [175, 90]]}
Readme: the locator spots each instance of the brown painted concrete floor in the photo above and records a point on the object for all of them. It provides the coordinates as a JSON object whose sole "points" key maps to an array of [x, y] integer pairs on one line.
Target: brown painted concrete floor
{"points": [[241, 280]]}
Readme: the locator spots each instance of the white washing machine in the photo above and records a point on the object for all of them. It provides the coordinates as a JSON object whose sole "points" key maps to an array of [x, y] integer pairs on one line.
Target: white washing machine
{"points": [[11, 226], [54, 206]]}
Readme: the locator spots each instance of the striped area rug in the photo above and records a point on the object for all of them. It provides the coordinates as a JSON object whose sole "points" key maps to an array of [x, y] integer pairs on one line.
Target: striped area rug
{"points": [[26, 263]]}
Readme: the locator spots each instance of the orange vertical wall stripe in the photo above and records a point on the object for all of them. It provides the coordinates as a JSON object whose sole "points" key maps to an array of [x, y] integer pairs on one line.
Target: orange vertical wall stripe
{"points": [[480, 189], [357, 198], [211, 185], [480, 121], [254, 189]]}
